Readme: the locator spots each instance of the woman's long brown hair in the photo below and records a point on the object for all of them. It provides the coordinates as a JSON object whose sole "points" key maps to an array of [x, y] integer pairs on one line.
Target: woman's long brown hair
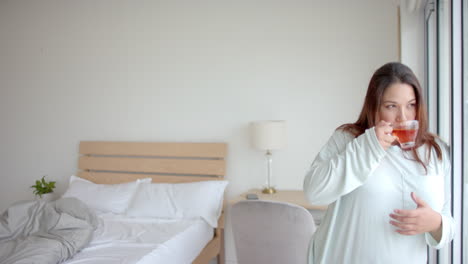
{"points": [[384, 77]]}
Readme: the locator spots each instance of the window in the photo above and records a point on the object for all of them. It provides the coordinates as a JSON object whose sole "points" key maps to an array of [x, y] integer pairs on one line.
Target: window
{"points": [[446, 104]]}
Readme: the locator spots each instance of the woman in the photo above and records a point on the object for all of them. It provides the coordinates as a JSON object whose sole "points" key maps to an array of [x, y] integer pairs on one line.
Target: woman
{"points": [[385, 203]]}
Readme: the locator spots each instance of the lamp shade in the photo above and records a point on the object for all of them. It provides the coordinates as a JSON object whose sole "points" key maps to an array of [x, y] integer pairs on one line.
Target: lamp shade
{"points": [[268, 135]]}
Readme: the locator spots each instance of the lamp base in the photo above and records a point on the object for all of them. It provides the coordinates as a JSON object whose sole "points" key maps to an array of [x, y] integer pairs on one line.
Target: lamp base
{"points": [[269, 190]]}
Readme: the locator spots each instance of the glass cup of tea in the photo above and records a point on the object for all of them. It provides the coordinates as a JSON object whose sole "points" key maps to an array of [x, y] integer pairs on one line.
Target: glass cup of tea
{"points": [[406, 132]]}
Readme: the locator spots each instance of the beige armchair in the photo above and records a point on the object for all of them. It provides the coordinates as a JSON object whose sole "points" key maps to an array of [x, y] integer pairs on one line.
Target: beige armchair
{"points": [[271, 232]]}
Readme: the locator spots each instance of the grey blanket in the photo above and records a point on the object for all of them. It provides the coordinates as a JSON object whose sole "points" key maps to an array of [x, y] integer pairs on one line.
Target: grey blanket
{"points": [[36, 232]]}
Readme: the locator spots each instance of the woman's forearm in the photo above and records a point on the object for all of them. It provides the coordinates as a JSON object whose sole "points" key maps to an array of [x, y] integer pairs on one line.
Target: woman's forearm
{"points": [[437, 234]]}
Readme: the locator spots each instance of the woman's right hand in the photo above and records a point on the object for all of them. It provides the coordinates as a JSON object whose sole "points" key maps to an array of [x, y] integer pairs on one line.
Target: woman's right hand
{"points": [[383, 131]]}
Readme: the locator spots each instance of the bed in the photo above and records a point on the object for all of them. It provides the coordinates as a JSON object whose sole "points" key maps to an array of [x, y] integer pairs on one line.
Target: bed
{"points": [[110, 163]]}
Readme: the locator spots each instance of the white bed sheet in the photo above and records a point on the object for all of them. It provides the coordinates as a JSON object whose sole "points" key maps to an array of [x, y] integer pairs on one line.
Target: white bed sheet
{"points": [[123, 240]]}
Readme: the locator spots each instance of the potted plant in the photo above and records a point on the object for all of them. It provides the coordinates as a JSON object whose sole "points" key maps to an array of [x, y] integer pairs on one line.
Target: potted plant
{"points": [[44, 188]]}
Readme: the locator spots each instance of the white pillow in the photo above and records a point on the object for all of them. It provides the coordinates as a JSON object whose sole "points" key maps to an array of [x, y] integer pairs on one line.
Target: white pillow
{"points": [[154, 200], [113, 198], [180, 200]]}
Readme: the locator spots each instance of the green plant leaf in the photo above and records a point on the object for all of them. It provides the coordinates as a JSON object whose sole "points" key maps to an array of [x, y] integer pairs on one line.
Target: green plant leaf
{"points": [[43, 186]]}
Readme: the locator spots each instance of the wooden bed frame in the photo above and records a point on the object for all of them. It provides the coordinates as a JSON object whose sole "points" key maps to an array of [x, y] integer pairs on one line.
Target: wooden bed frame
{"points": [[117, 162]]}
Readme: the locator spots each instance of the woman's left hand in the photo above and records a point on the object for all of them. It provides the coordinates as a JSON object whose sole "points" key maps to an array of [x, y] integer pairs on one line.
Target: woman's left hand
{"points": [[420, 220]]}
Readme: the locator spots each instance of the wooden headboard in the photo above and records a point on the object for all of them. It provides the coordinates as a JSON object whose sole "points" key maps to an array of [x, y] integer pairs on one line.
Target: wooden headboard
{"points": [[116, 162]]}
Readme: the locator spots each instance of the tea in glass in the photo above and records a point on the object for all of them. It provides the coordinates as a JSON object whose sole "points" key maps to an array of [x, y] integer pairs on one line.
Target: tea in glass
{"points": [[406, 133]]}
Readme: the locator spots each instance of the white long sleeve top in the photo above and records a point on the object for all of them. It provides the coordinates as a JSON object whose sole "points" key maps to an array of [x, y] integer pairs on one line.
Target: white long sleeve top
{"points": [[362, 183]]}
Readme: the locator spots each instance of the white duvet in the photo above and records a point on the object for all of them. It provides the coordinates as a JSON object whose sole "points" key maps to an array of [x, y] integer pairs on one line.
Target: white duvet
{"points": [[124, 240]]}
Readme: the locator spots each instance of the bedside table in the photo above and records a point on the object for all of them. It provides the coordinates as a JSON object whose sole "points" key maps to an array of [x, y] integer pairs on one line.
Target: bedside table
{"points": [[290, 196]]}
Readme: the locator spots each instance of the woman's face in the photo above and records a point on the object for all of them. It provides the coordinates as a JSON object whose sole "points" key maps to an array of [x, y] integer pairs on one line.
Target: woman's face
{"points": [[398, 104]]}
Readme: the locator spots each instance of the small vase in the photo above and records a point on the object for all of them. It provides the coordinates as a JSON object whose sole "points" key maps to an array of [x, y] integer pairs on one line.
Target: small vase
{"points": [[47, 197]]}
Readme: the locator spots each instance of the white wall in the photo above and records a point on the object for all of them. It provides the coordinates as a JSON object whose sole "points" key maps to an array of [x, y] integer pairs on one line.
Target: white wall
{"points": [[412, 40], [182, 71]]}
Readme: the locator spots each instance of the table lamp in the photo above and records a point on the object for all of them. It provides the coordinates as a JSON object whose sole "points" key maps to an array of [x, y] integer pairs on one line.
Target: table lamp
{"points": [[268, 135]]}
